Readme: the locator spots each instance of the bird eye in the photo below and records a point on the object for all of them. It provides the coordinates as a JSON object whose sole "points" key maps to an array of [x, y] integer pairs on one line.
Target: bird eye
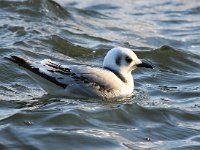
{"points": [[128, 59]]}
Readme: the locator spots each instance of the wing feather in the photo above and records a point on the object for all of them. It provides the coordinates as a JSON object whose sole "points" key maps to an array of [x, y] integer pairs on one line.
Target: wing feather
{"points": [[90, 80]]}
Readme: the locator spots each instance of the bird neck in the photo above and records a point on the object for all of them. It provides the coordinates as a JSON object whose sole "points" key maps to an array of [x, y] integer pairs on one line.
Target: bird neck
{"points": [[123, 78]]}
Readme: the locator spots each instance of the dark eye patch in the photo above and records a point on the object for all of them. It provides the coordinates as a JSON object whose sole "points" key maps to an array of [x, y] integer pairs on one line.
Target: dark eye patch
{"points": [[118, 60], [128, 59]]}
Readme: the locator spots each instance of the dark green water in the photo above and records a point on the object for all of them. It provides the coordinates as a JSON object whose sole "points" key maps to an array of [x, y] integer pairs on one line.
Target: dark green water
{"points": [[164, 113]]}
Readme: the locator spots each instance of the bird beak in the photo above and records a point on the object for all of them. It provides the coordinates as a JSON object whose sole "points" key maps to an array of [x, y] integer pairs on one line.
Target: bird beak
{"points": [[144, 64]]}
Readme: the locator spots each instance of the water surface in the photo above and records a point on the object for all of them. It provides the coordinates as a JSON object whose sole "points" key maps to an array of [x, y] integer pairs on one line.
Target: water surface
{"points": [[164, 113]]}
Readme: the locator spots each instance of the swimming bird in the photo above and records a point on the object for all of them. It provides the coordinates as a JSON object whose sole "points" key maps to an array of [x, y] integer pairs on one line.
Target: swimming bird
{"points": [[113, 80]]}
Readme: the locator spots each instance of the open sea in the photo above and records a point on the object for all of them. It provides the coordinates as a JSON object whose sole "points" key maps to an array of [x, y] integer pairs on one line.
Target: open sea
{"points": [[163, 114]]}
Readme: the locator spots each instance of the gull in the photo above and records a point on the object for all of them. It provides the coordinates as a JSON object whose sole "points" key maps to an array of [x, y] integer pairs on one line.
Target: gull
{"points": [[113, 80]]}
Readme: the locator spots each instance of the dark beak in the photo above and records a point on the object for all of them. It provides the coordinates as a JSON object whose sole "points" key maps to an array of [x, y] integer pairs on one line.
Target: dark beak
{"points": [[146, 65]]}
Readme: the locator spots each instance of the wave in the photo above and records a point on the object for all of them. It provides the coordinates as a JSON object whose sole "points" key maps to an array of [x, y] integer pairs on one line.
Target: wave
{"points": [[172, 59], [36, 8]]}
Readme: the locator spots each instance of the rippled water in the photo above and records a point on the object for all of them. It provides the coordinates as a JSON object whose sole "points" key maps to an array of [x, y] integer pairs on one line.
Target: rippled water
{"points": [[164, 113]]}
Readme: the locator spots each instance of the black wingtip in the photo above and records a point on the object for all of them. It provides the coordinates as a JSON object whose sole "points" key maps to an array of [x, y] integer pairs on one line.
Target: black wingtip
{"points": [[35, 69], [18, 60]]}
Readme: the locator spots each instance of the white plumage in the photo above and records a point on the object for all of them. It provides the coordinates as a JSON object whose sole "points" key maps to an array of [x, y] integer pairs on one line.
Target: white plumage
{"points": [[113, 80]]}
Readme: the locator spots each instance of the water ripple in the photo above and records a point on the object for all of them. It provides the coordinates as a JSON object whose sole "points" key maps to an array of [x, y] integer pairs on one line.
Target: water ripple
{"points": [[164, 111]]}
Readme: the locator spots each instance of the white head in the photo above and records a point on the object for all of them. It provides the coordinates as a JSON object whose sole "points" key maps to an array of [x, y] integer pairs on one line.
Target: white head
{"points": [[123, 61]]}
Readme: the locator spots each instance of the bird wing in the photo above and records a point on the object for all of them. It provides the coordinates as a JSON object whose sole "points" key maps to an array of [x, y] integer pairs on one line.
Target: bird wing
{"points": [[85, 76], [64, 75]]}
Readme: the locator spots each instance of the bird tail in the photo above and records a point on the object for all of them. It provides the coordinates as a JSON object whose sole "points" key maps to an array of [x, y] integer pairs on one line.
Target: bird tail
{"points": [[20, 61], [33, 70]]}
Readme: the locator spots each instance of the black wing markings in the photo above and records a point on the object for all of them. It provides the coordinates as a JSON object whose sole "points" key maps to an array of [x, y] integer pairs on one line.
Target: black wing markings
{"points": [[78, 77], [28, 65]]}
